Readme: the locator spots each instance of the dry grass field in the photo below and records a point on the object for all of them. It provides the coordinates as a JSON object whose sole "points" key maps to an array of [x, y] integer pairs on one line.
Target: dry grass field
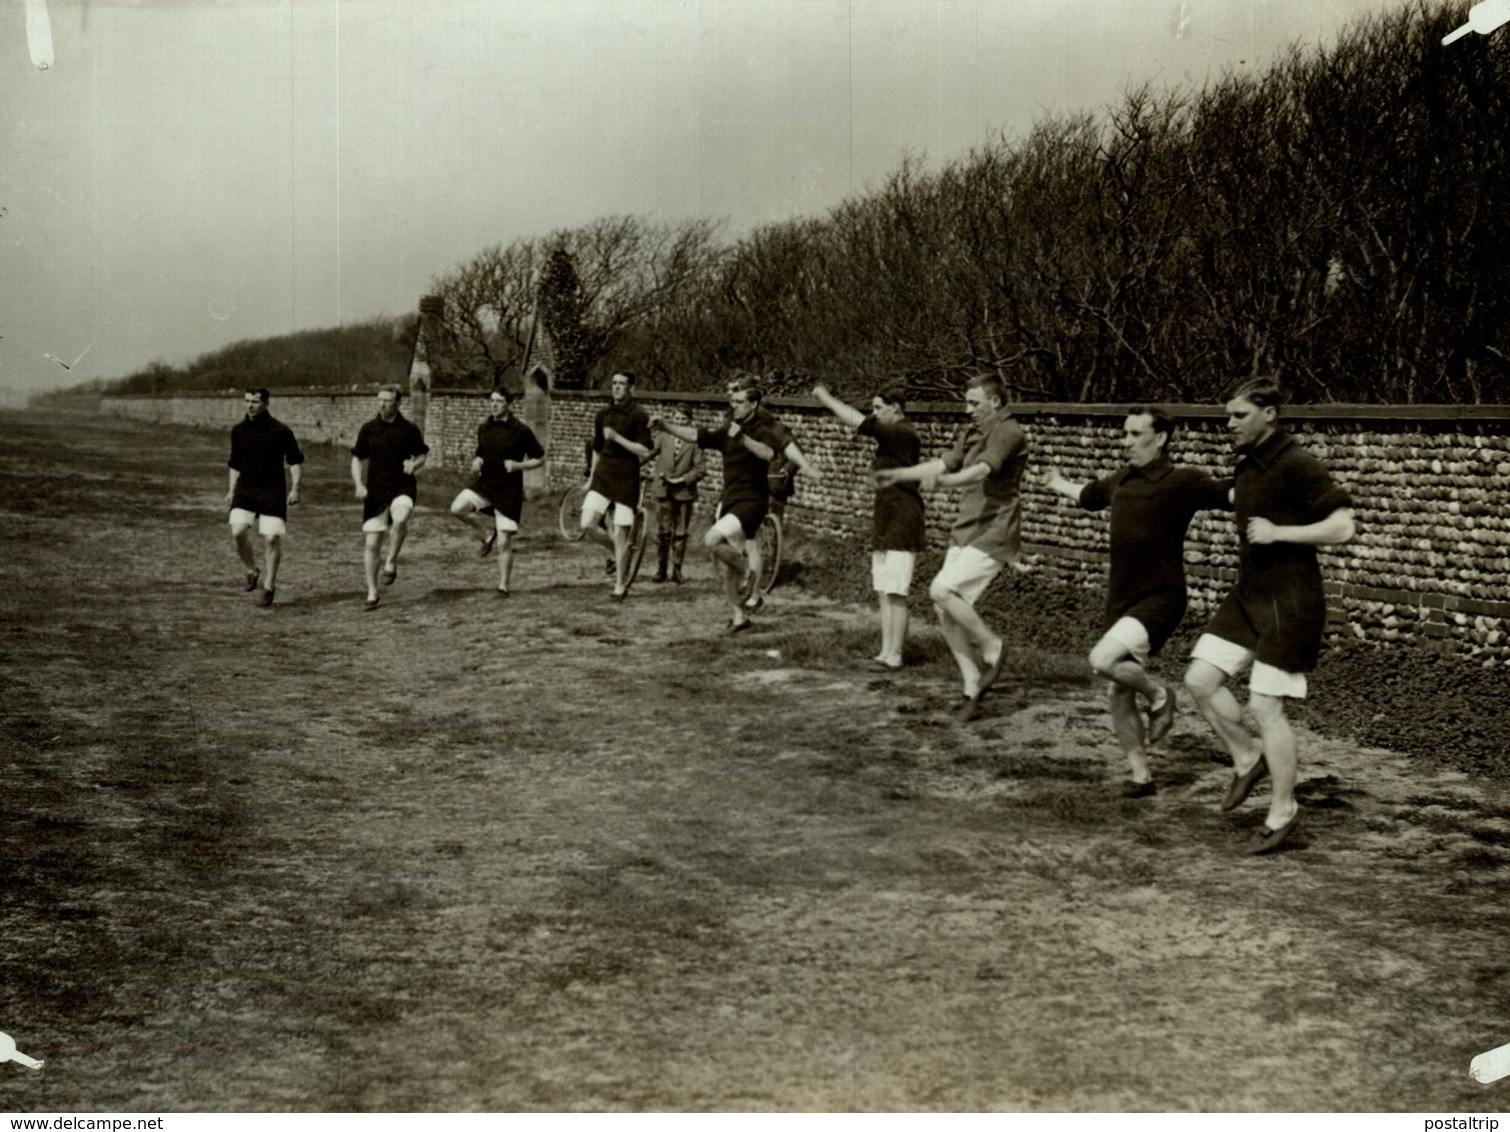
{"points": [[556, 853]]}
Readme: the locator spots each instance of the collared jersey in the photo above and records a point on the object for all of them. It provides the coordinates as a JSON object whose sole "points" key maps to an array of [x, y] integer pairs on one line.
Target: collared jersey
{"points": [[746, 475], [990, 512], [260, 446], [898, 520], [617, 476], [1151, 509], [1282, 482], [385, 445], [497, 441]]}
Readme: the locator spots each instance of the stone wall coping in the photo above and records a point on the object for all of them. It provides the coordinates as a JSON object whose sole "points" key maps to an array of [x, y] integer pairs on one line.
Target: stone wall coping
{"points": [[1029, 409]]}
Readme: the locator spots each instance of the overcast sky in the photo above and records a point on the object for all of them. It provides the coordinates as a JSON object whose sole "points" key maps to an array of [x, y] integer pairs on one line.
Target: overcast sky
{"points": [[189, 173]]}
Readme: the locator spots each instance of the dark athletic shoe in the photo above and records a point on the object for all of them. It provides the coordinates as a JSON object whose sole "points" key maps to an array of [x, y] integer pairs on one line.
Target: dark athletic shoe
{"points": [[370, 604], [265, 599], [389, 575], [968, 709], [1243, 784], [1139, 789], [991, 672], [251, 580], [739, 627], [487, 545], [1266, 840], [1161, 719]]}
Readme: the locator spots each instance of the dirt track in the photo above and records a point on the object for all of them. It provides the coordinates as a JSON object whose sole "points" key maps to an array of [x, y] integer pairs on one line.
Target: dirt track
{"points": [[554, 853]]}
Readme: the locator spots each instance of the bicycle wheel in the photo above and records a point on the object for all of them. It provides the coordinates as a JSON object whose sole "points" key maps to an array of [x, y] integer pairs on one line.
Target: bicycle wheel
{"points": [[769, 538], [639, 534], [569, 518]]}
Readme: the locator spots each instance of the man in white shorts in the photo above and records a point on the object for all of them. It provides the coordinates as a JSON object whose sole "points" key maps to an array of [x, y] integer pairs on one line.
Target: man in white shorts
{"points": [[748, 441], [1286, 505], [506, 449], [621, 439], [389, 450], [897, 530], [1152, 501], [257, 494], [987, 460]]}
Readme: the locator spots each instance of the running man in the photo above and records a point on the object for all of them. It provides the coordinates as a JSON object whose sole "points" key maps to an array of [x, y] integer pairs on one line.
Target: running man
{"points": [[748, 442], [1287, 505], [257, 494], [389, 450], [506, 449], [987, 460], [897, 533], [1152, 501], [678, 467], [621, 439]]}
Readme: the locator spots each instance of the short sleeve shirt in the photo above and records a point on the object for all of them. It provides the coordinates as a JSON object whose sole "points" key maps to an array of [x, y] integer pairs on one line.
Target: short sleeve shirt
{"points": [[260, 446], [1282, 482], [990, 512], [617, 476], [385, 445], [497, 441], [898, 519], [1151, 509], [746, 474]]}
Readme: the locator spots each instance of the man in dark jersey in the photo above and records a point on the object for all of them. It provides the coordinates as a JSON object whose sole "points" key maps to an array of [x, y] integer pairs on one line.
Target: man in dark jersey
{"points": [[260, 446], [389, 450], [748, 442], [897, 532], [621, 439], [1152, 501], [1287, 505], [506, 449]]}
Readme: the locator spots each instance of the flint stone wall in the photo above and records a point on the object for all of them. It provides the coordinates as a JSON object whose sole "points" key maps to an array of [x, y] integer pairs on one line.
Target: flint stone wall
{"points": [[1431, 485]]}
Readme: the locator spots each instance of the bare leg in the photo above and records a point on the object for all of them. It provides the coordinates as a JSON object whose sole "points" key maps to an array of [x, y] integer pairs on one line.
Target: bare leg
{"points": [[620, 543], [242, 541], [372, 545], [470, 517], [274, 547], [963, 650], [1127, 724], [1280, 752], [1207, 685], [730, 561], [397, 533], [505, 559]]}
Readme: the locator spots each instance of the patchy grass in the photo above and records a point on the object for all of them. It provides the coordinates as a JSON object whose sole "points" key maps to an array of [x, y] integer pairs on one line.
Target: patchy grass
{"points": [[555, 853]]}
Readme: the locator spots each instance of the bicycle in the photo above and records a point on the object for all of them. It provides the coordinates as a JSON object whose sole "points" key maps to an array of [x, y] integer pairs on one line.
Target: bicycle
{"points": [[769, 539]]}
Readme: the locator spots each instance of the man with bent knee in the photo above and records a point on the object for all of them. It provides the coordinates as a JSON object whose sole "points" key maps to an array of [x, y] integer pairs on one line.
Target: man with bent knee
{"points": [[257, 494], [1152, 501], [389, 450], [749, 441], [1287, 505], [506, 449], [620, 441], [987, 460]]}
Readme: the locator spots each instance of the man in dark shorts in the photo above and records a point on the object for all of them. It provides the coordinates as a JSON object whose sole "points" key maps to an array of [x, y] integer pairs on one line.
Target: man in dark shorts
{"points": [[1152, 501], [678, 467], [621, 439], [897, 532], [389, 450], [748, 443], [506, 449], [1287, 505], [260, 446], [987, 460]]}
